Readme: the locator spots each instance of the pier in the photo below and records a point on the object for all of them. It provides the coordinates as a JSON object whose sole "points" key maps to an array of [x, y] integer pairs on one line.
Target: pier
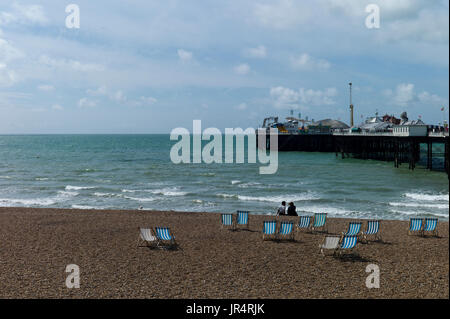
{"points": [[430, 152]]}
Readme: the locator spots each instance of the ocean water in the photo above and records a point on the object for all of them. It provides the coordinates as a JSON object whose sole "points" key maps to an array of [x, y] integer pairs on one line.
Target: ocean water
{"points": [[132, 171]]}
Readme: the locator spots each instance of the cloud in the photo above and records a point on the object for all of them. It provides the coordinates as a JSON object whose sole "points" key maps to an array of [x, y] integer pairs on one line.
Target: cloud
{"points": [[258, 52], [282, 14], [405, 95], [308, 63], [242, 69], [286, 98], [7, 77], [120, 97], [57, 107], [85, 102], [241, 107], [184, 55], [46, 87], [68, 64], [23, 14]]}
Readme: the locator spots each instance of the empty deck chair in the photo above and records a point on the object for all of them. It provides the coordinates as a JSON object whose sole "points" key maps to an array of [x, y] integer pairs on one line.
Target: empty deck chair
{"points": [[304, 222], [286, 231], [227, 221], [353, 229], [146, 236], [373, 230], [242, 219], [320, 221], [415, 226], [165, 237], [347, 243], [269, 229], [430, 226], [329, 242]]}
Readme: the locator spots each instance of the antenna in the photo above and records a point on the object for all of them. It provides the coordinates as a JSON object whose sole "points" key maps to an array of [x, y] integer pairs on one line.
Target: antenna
{"points": [[351, 105]]}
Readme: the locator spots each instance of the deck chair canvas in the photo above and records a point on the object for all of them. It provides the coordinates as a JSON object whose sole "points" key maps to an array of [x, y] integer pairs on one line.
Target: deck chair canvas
{"points": [[348, 243], [430, 226], [304, 222], [269, 229], [329, 243], [165, 238], [147, 238], [373, 230], [353, 229], [227, 221], [415, 226], [286, 231], [320, 222], [242, 219]]}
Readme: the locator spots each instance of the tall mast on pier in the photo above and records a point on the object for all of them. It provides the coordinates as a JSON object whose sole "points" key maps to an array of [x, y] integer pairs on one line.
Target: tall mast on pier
{"points": [[351, 106]]}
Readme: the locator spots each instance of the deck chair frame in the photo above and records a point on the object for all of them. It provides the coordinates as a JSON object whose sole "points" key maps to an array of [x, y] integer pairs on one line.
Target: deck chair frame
{"points": [[163, 242], [414, 222], [308, 227], [231, 226], [273, 235], [289, 236], [336, 238], [240, 213], [147, 237], [425, 229], [353, 229], [369, 231], [324, 227]]}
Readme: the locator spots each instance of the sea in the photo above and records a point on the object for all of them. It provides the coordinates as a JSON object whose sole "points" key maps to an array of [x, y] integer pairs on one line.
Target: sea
{"points": [[136, 172]]}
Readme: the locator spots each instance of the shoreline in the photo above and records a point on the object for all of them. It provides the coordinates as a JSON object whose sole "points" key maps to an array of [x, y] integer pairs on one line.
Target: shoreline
{"points": [[38, 244], [302, 213]]}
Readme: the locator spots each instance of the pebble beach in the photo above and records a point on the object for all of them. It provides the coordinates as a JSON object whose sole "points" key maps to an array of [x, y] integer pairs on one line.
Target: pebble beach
{"points": [[38, 243]]}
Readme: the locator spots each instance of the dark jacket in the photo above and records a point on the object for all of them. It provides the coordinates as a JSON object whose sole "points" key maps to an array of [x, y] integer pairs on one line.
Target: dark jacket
{"points": [[291, 211]]}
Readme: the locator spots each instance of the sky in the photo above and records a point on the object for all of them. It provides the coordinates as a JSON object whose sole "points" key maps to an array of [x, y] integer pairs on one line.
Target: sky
{"points": [[150, 66]]}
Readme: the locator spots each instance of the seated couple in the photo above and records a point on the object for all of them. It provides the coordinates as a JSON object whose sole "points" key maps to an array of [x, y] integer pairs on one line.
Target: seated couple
{"points": [[287, 211]]}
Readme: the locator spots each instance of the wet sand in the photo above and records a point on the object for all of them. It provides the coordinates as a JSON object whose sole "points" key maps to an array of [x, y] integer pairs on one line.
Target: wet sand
{"points": [[36, 245]]}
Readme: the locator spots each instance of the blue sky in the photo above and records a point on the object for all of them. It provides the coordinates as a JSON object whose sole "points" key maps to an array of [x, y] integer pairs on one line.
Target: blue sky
{"points": [[151, 66]]}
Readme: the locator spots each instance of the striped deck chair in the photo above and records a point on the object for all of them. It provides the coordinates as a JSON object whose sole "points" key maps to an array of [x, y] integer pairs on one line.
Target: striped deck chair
{"points": [[373, 229], [415, 226], [347, 243], [269, 229], [227, 221], [242, 218], [286, 231], [320, 221], [353, 229], [329, 242], [165, 237], [304, 222], [430, 226], [146, 236]]}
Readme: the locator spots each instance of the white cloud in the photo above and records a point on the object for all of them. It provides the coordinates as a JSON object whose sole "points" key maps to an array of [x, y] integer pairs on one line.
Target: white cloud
{"points": [[308, 63], [46, 87], [404, 95], [282, 14], [184, 55], [241, 107], [258, 52], [85, 102], [120, 97], [68, 64], [242, 69], [57, 107], [7, 77], [285, 98], [24, 14]]}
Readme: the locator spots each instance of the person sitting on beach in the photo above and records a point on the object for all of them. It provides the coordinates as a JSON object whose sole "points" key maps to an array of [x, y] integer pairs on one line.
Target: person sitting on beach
{"points": [[291, 211], [282, 209]]}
